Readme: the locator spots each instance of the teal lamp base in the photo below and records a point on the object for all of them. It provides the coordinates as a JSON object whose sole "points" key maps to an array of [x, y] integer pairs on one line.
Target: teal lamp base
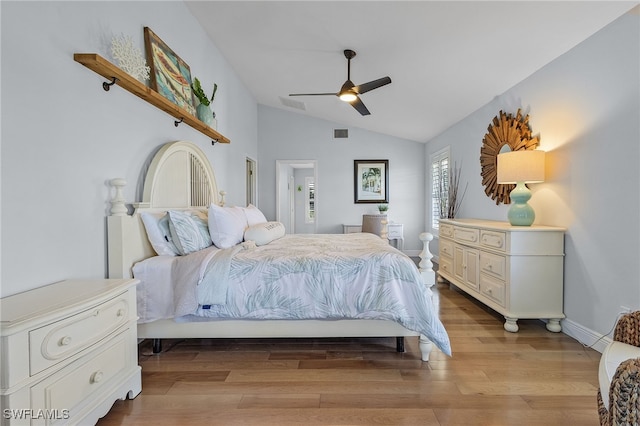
{"points": [[520, 212]]}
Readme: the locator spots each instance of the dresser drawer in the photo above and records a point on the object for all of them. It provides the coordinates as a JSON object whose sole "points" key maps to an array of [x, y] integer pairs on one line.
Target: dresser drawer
{"points": [[493, 264], [493, 289], [493, 239], [468, 235], [78, 382], [446, 230], [446, 248], [445, 266], [60, 340]]}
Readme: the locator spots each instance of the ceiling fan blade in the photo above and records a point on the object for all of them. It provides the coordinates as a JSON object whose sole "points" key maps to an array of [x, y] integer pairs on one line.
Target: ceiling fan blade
{"points": [[359, 106], [364, 88], [313, 94]]}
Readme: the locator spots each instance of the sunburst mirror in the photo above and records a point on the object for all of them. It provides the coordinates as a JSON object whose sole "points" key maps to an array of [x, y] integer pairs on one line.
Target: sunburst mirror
{"points": [[505, 133]]}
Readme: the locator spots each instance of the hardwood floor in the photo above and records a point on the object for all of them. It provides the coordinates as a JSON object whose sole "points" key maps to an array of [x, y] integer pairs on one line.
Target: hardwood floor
{"points": [[494, 377]]}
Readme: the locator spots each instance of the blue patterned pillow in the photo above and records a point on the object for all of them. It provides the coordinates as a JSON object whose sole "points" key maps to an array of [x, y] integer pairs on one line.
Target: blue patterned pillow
{"points": [[189, 231]]}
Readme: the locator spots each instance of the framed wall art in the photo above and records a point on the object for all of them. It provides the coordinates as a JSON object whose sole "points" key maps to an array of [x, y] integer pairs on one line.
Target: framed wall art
{"points": [[371, 181], [170, 75]]}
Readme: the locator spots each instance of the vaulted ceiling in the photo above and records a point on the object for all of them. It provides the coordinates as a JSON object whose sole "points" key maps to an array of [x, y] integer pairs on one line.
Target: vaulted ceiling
{"points": [[446, 59]]}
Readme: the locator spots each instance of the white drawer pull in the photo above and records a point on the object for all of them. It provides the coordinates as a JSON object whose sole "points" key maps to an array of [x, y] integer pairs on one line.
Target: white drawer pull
{"points": [[96, 312], [96, 377], [120, 313], [490, 266], [64, 341], [489, 291]]}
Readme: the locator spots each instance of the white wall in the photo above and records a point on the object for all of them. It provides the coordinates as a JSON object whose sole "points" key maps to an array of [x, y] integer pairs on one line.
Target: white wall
{"points": [[288, 135], [63, 137], [586, 107]]}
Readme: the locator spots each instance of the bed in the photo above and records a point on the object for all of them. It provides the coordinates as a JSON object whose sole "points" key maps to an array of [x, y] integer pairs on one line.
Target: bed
{"points": [[172, 304]]}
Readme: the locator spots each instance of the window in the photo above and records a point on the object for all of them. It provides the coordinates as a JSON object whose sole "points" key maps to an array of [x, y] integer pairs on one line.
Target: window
{"points": [[310, 200], [440, 167]]}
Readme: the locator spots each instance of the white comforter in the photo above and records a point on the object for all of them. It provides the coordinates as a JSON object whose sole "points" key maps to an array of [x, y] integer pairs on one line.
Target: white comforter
{"points": [[302, 276]]}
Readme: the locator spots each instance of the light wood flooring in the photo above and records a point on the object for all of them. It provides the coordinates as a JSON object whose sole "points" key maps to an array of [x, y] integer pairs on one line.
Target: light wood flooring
{"points": [[494, 377]]}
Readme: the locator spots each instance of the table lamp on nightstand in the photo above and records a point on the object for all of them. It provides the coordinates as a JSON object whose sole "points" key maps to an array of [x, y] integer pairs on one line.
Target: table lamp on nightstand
{"points": [[521, 167]]}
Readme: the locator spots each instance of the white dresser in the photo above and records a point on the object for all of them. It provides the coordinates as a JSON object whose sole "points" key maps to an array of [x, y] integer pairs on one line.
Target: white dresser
{"points": [[69, 351], [515, 270]]}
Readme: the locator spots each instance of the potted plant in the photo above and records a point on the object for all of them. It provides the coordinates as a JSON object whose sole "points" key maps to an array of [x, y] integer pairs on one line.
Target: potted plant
{"points": [[383, 208], [204, 111]]}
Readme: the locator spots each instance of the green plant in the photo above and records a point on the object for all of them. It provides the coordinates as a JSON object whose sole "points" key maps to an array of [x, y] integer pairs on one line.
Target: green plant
{"points": [[382, 208], [199, 93]]}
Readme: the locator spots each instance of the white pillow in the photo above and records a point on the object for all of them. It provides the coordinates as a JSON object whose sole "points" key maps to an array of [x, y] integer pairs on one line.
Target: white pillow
{"points": [[613, 355], [254, 215], [157, 227], [264, 233], [189, 231], [226, 225]]}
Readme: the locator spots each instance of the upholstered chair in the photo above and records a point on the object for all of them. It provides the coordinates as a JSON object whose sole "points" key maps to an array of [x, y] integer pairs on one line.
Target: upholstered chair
{"points": [[375, 224], [619, 375]]}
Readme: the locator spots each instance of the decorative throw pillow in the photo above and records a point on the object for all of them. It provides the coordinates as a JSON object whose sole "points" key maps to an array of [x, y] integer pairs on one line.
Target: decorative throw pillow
{"points": [[157, 227], [189, 231], [226, 225], [254, 215], [264, 233]]}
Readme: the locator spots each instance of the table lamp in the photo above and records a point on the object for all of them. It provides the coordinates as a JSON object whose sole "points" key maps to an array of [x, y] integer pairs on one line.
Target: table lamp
{"points": [[520, 167]]}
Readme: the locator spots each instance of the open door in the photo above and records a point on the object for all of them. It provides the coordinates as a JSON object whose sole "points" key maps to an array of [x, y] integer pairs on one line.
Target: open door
{"points": [[297, 195]]}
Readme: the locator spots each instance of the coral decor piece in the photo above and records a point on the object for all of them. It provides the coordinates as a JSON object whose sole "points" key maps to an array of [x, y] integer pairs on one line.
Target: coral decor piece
{"points": [[130, 58]]}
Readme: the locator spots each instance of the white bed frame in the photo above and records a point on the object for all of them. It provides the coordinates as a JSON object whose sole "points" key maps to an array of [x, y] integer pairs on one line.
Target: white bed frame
{"points": [[180, 177]]}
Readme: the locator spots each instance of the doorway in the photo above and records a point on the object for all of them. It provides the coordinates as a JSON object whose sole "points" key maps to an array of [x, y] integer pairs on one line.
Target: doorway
{"points": [[251, 180], [297, 195]]}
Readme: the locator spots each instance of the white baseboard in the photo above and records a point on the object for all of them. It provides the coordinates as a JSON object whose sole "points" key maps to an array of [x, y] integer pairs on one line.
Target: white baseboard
{"points": [[585, 336]]}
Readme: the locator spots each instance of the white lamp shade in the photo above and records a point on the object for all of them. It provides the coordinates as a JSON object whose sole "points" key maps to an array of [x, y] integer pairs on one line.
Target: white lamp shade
{"points": [[521, 166]]}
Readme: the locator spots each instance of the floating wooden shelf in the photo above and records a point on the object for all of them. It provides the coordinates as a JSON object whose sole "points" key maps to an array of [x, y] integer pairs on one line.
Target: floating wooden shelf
{"points": [[109, 71]]}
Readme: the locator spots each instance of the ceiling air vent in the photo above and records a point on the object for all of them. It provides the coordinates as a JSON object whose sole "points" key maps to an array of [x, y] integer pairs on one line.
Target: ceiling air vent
{"points": [[340, 133], [292, 104]]}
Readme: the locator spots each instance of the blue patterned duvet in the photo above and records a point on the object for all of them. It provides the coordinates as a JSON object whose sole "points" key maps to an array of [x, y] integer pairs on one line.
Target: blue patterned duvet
{"points": [[302, 276]]}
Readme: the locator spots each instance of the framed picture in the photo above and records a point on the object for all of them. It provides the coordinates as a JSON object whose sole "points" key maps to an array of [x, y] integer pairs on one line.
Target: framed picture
{"points": [[371, 181], [170, 75]]}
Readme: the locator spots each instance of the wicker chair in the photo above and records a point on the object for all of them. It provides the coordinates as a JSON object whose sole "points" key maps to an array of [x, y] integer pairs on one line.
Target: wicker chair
{"points": [[623, 405], [375, 224]]}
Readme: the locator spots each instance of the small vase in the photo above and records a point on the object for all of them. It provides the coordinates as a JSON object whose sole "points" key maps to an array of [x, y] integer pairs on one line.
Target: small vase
{"points": [[205, 114]]}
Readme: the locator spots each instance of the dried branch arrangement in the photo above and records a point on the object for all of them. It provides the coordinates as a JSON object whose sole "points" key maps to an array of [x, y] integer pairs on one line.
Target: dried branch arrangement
{"points": [[448, 194]]}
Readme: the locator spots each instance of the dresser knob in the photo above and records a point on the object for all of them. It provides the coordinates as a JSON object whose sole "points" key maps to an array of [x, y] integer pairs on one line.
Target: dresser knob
{"points": [[120, 312], [64, 341], [96, 377]]}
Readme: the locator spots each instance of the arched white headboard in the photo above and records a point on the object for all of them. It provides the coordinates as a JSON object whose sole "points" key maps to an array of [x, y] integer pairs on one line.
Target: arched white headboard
{"points": [[179, 177]]}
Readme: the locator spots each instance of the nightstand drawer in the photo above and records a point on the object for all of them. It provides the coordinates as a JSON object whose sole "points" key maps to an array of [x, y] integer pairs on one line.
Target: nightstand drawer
{"points": [[60, 340], [78, 382], [394, 231]]}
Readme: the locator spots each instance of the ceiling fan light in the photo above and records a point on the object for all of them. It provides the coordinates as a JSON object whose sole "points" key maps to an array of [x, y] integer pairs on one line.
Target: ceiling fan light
{"points": [[348, 96]]}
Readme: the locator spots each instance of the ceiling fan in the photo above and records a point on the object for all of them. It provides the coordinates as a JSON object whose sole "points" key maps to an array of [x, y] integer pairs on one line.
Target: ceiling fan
{"points": [[349, 92]]}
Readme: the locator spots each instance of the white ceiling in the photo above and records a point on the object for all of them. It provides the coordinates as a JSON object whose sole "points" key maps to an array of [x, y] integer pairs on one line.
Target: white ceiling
{"points": [[446, 59]]}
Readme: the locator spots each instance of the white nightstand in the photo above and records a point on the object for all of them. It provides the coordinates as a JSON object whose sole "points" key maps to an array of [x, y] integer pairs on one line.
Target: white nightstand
{"points": [[351, 229], [395, 231], [69, 350]]}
